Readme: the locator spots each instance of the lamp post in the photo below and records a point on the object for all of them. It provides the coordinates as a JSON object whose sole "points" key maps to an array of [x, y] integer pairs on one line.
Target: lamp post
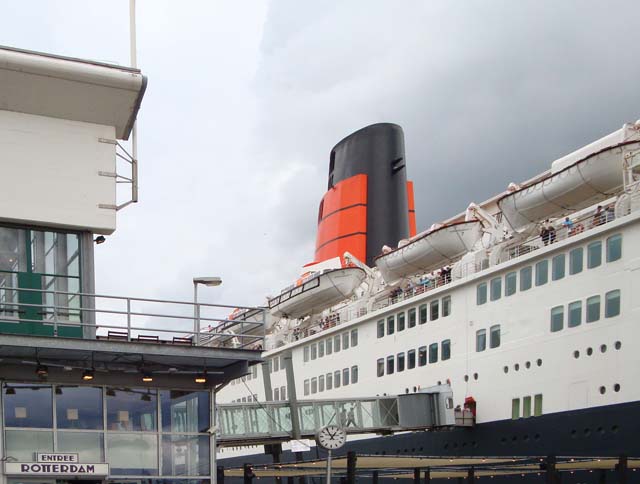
{"points": [[205, 281]]}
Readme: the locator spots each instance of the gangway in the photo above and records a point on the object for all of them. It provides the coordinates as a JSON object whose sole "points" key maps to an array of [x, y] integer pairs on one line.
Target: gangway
{"points": [[262, 423]]}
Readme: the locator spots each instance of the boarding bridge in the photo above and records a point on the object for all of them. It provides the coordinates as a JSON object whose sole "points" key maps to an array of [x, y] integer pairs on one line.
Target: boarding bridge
{"points": [[259, 423]]}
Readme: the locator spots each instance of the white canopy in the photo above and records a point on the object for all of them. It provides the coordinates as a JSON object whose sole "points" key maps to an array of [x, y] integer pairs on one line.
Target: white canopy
{"points": [[68, 88]]}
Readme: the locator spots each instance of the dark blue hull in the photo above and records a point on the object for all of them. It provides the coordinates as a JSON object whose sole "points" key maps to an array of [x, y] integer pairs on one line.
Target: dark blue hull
{"points": [[609, 431]]}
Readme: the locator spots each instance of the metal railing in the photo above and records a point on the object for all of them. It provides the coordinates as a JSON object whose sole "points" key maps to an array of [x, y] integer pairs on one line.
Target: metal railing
{"points": [[136, 319]]}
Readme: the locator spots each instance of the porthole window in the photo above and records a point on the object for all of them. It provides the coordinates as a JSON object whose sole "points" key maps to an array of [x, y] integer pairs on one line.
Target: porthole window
{"points": [[589, 351], [466, 378], [539, 362], [528, 364], [603, 348], [618, 345], [603, 390], [616, 387], [516, 367], [506, 369], [475, 376], [576, 354]]}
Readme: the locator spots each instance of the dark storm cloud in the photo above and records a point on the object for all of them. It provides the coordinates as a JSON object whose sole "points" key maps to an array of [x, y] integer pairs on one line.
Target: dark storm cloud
{"points": [[487, 92]]}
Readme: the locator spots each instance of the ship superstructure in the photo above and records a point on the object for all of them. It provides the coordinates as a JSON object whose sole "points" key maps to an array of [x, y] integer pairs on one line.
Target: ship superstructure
{"points": [[523, 304]]}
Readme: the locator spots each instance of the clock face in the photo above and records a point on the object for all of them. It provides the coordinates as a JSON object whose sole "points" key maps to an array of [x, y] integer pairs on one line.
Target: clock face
{"points": [[331, 437]]}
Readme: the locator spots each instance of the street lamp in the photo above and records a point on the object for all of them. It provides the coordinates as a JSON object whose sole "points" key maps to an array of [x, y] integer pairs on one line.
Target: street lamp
{"points": [[205, 281]]}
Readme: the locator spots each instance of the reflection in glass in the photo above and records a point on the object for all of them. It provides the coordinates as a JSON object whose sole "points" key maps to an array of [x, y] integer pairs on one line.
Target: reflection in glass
{"points": [[185, 411], [22, 445], [185, 455], [28, 406], [79, 407], [12, 250], [129, 409], [133, 454], [89, 445]]}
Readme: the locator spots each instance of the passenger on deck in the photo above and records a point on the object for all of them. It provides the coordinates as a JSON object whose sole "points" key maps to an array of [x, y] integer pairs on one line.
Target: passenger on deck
{"points": [[598, 217], [544, 232], [568, 224], [446, 274]]}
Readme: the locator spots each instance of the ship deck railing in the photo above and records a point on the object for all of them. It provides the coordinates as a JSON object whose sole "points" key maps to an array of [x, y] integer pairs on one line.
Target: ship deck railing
{"points": [[123, 318], [582, 222]]}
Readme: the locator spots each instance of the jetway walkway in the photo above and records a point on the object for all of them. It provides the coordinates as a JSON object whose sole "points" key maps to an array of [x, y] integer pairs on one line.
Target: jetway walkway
{"points": [[261, 423]]}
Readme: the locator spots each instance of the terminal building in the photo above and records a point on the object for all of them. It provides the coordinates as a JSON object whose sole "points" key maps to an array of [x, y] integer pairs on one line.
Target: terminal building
{"points": [[94, 388]]}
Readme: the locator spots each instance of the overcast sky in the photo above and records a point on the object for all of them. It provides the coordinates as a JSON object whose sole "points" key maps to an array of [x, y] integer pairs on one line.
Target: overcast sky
{"points": [[246, 99]]}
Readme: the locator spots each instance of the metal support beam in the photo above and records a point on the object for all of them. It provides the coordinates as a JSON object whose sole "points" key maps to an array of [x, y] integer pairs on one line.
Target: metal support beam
{"points": [[351, 467], [427, 476], [416, 475], [621, 469], [374, 477], [220, 474], [293, 403], [471, 475], [550, 474], [602, 478]]}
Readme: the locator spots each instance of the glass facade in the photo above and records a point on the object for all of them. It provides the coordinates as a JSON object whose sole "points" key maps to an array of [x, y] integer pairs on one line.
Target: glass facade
{"points": [[139, 432]]}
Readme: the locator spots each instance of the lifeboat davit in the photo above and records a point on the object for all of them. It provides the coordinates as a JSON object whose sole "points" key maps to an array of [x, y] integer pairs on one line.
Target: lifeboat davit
{"points": [[429, 251], [576, 181], [317, 292]]}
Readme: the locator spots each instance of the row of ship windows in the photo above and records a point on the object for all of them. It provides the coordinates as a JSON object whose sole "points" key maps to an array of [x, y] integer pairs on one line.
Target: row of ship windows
{"points": [[423, 313], [250, 398], [494, 338], [603, 349], [575, 314], [399, 362], [558, 270], [524, 411], [330, 381], [331, 345]]}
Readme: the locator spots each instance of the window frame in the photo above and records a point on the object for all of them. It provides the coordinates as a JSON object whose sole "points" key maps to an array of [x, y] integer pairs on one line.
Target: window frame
{"points": [[481, 337]]}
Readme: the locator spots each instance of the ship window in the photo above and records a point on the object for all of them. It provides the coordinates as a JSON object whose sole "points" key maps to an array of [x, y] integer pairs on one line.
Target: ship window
{"points": [[594, 254], [321, 383], [345, 341], [354, 374], [305, 353], [525, 278], [537, 405], [380, 366], [314, 351], [390, 365], [320, 210], [336, 343], [328, 346], [614, 248], [254, 370], [345, 377], [306, 387], [336, 379], [276, 394], [612, 304], [510, 283], [400, 318], [574, 314], [314, 385], [434, 306], [320, 350], [400, 358], [515, 408], [542, 272], [593, 309], [380, 328], [575, 261], [557, 267], [526, 407], [496, 288], [494, 336], [423, 313], [433, 352], [283, 394], [481, 340], [422, 356], [390, 325], [481, 293], [329, 380], [412, 317], [557, 318], [354, 337], [446, 349], [446, 306], [411, 359]]}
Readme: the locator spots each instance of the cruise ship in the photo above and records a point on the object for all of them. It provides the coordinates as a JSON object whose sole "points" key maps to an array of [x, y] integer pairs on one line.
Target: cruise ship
{"points": [[525, 305]]}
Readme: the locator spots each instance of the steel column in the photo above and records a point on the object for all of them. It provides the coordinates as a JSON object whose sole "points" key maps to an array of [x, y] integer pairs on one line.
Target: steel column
{"points": [[351, 467], [427, 476], [621, 469], [416, 475], [374, 477]]}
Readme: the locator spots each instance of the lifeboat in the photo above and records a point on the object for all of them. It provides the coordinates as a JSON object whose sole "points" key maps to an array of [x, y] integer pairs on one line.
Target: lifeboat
{"points": [[429, 251], [576, 181], [317, 292]]}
